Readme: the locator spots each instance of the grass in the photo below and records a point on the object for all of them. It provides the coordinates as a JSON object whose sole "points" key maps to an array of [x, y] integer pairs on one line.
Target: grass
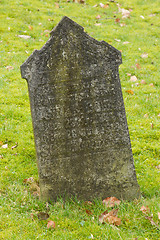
{"points": [[17, 203]]}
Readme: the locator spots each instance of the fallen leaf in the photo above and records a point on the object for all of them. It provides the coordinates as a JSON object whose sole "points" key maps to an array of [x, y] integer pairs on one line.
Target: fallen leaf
{"points": [[151, 84], [110, 217], [97, 24], [56, 5], [30, 27], [159, 215], [14, 146], [98, 17], [122, 24], [151, 125], [138, 66], [9, 68], [51, 224], [130, 92], [88, 212], [143, 82], [129, 74], [125, 13], [117, 20], [111, 201], [101, 217], [117, 40], [104, 5], [144, 55], [24, 36], [28, 180], [1, 143], [5, 146], [145, 209], [133, 79], [126, 42], [42, 216], [112, 220], [1, 156]]}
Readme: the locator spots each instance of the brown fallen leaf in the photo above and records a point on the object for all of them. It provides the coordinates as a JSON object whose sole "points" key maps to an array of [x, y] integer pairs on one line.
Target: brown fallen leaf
{"points": [[1, 143], [101, 217], [104, 5], [30, 27], [98, 17], [133, 79], [117, 20], [9, 68], [143, 82], [28, 180], [130, 92], [42, 216], [144, 55], [111, 201], [113, 220], [122, 24], [138, 66], [152, 125], [88, 212], [125, 13], [51, 224], [145, 209], [110, 217]]}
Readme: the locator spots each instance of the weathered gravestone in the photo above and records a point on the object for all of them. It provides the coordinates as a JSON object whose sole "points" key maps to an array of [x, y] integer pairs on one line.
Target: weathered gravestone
{"points": [[80, 128]]}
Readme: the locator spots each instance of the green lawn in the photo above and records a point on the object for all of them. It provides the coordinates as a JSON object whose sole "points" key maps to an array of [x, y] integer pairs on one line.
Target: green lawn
{"points": [[136, 35]]}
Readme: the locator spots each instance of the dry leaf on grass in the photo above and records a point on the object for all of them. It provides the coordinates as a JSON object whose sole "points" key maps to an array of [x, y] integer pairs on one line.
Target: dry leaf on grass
{"points": [[88, 212], [98, 17], [133, 79], [24, 36], [5, 146], [110, 217], [101, 217], [111, 202], [51, 224], [113, 220], [145, 209], [144, 55], [130, 92]]}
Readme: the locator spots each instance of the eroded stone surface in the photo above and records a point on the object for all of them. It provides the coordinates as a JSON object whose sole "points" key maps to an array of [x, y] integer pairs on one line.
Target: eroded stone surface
{"points": [[80, 128]]}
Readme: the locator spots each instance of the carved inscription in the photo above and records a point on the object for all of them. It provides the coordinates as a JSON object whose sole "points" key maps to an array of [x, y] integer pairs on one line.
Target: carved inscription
{"points": [[81, 134]]}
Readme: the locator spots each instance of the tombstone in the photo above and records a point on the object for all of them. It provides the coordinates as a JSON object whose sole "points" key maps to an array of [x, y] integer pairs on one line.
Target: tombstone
{"points": [[80, 129]]}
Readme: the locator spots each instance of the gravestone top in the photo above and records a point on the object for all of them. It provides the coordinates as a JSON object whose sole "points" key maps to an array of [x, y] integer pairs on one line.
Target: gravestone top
{"points": [[80, 128]]}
